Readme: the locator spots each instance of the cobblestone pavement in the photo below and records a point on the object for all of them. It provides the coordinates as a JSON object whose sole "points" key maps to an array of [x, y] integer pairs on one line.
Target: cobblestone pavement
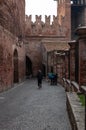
{"points": [[25, 107]]}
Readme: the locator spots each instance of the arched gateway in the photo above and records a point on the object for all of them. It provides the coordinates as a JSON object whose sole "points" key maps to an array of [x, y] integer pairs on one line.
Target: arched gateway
{"points": [[15, 62], [28, 67]]}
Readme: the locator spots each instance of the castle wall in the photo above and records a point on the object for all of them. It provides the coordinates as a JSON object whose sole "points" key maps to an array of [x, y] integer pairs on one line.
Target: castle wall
{"points": [[7, 47], [12, 16], [82, 61], [40, 28], [21, 61], [12, 24], [34, 53], [6, 63], [64, 17], [60, 26], [72, 60]]}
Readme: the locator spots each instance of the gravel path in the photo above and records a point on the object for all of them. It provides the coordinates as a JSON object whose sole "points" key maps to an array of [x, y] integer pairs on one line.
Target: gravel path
{"points": [[25, 107]]}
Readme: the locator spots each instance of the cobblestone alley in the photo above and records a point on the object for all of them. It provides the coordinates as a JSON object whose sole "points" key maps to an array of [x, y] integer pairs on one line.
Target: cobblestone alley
{"points": [[24, 107]]}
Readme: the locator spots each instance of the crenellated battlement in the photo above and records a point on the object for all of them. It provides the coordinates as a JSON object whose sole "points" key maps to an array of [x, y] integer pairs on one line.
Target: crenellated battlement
{"points": [[40, 27], [38, 19]]}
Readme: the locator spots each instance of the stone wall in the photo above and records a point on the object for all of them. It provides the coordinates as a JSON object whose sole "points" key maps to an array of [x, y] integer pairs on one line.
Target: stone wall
{"points": [[76, 111]]}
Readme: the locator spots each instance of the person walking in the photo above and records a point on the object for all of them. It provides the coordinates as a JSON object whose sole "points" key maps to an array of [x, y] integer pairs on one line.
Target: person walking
{"points": [[39, 79]]}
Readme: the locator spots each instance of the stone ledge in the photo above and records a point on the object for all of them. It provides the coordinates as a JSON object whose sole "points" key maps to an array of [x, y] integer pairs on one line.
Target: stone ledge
{"points": [[76, 111], [83, 89], [75, 86]]}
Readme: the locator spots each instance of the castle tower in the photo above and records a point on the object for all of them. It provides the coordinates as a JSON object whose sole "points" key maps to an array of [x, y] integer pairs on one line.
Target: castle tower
{"points": [[64, 17], [78, 15], [71, 14]]}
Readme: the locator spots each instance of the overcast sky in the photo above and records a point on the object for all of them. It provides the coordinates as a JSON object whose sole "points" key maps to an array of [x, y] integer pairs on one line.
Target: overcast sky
{"points": [[41, 7]]}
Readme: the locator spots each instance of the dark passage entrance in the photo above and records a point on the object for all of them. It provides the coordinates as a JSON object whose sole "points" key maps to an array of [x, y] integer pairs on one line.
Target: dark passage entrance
{"points": [[16, 75], [28, 67], [44, 70]]}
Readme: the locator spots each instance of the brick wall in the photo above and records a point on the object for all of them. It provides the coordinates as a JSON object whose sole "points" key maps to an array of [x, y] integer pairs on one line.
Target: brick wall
{"points": [[12, 24], [82, 62], [64, 18], [22, 63], [34, 52], [6, 64], [7, 47], [72, 61], [12, 15]]}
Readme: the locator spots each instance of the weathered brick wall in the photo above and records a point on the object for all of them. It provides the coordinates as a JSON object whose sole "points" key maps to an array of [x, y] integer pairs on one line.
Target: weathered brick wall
{"points": [[60, 28], [12, 15], [67, 65], [81, 32], [41, 28], [7, 47], [34, 52], [82, 62], [12, 24], [6, 64], [22, 63], [64, 18], [72, 61]]}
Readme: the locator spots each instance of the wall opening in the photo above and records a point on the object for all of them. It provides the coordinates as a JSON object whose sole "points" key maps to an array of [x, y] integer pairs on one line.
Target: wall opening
{"points": [[28, 67], [16, 73], [44, 70]]}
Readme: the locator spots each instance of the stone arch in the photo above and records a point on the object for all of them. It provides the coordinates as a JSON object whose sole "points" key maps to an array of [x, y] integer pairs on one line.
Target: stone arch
{"points": [[29, 71], [15, 62]]}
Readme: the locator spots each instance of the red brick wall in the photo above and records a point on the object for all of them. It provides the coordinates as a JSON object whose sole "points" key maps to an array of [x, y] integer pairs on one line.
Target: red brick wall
{"points": [[64, 17], [12, 15], [67, 65], [72, 61], [82, 62], [22, 63], [6, 68], [7, 46], [12, 23], [34, 52]]}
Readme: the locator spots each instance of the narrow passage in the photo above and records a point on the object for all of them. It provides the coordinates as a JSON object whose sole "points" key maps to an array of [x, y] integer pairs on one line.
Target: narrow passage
{"points": [[25, 107]]}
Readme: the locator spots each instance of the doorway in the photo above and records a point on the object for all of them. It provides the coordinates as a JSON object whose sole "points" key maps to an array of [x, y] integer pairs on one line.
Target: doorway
{"points": [[44, 70], [28, 67], [15, 60]]}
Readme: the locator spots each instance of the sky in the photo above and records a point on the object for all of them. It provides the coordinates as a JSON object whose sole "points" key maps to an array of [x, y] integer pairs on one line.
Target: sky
{"points": [[41, 7]]}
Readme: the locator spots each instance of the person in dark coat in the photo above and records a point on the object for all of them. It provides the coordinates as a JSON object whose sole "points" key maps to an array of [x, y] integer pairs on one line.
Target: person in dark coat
{"points": [[39, 78]]}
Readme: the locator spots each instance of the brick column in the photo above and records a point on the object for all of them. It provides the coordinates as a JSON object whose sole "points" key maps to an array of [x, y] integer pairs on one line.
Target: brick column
{"points": [[67, 64], [82, 54], [72, 60]]}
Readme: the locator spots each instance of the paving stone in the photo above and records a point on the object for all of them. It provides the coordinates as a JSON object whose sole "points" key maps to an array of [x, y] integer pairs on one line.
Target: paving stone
{"points": [[25, 107]]}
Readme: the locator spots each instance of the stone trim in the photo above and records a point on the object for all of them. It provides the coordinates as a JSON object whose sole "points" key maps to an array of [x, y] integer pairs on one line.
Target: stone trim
{"points": [[76, 111]]}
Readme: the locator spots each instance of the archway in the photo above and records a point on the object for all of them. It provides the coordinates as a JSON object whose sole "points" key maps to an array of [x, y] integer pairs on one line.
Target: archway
{"points": [[28, 67], [16, 74], [44, 70]]}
